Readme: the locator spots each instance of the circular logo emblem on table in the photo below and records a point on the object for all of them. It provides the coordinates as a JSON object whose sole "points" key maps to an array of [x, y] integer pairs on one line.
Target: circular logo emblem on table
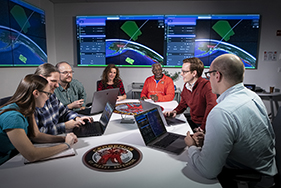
{"points": [[112, 157]]}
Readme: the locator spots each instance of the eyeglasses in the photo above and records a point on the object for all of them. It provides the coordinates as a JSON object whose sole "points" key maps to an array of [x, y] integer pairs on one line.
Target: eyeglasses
{"points": [[184, 72], [47, 93], [207, 74], [67, 72]]}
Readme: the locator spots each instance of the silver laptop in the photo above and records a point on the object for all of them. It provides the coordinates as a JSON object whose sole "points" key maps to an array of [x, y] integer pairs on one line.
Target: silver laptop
{"points": [[95, 128], [170, 120], [100, 98], [153, 131]]}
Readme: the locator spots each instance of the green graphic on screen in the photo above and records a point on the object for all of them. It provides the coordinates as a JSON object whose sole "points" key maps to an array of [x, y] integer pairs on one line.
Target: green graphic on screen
{"points": [[224, 29], [131, 29], [21, 18]]}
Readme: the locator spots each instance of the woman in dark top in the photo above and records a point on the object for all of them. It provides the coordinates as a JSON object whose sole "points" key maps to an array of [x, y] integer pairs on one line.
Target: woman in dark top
{"points": [[110, 79]]}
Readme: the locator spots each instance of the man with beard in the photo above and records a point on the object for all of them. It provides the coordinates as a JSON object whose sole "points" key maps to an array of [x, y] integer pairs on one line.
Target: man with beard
{"points": [[159, 87], [70, 91]]}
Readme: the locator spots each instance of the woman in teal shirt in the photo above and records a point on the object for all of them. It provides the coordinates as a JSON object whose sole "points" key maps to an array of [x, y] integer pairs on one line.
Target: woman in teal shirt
{"points": [[18, 128]]}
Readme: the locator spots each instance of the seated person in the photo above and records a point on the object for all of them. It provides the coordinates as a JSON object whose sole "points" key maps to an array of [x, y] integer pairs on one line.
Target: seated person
{"points": [[111, 79], [54, 118], [196, 94], [17, 124], [70, 91], [159, 87], [239, 136]]}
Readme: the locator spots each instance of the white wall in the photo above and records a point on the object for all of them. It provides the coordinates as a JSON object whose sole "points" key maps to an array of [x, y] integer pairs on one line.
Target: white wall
{"points": [[61, 36]]}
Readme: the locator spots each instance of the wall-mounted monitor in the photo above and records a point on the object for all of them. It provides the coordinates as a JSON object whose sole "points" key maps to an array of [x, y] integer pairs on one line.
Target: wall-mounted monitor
{"points": [[141, 40], [22, 34]]}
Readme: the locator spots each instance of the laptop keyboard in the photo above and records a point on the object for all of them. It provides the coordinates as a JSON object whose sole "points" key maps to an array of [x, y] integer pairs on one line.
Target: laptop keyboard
{"points": [[88, 129], [167, 140]]}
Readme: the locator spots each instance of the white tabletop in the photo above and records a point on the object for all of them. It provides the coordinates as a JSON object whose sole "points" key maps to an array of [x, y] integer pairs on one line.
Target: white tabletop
{"points": [[266, 94], [156, 169]]}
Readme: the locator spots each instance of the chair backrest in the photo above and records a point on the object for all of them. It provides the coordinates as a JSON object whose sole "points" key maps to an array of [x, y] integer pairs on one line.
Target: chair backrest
{"points": [[4, 100], [277, 130], [244, 179]]}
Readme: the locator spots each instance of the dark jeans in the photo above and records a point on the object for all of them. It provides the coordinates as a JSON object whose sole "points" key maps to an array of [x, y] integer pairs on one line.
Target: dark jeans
{"points": [[190, 122]]}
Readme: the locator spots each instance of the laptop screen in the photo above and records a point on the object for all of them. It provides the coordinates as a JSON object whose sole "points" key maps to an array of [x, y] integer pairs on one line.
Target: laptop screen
{"points": [[150, 125], [105, 117]]}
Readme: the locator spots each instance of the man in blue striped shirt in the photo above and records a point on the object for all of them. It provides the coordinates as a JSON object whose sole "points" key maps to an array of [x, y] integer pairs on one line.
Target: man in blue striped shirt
{"points": [[55, 118]]}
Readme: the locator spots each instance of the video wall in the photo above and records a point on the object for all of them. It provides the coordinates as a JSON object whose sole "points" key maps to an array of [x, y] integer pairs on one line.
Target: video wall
{"points": [[22, 34], [141, 40]]}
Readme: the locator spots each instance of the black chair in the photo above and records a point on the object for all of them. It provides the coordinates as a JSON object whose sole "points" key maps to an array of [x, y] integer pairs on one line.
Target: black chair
{"points": [[4, 100], [277, 130], [249, 179]]}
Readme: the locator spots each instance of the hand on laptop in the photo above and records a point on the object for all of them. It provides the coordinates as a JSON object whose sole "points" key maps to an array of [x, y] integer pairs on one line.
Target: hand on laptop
{"points": [[77, 122], [170, 113]]}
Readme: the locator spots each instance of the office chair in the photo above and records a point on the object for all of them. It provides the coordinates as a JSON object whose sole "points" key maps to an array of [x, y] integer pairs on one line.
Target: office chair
{"points": [[277, 130], [249, 179], [277, 178], [4, 100]]}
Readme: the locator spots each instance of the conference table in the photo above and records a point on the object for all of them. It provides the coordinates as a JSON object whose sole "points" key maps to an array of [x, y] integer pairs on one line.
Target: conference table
{"points": [[155, 169]]}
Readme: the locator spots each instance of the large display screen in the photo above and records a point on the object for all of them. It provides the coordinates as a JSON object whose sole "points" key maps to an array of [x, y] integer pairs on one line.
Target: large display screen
{"points": [[141, 40], [22, 34]]}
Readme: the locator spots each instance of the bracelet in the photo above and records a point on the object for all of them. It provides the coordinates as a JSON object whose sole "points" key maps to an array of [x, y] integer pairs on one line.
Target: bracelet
{"points": [[68, 146]]}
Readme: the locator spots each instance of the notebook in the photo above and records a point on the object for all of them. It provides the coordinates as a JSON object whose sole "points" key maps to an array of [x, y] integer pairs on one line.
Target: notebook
{"points": [[100, 98], [154, 133], [66, 153], [95, 128], [170, 120]]}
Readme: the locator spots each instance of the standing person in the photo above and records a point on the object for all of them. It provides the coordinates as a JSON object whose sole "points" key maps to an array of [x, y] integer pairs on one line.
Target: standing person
{"points": [[54, 118], [17, 123], [196, 94], [239, 136], [111, 79], [159, 87], [70, 91]]}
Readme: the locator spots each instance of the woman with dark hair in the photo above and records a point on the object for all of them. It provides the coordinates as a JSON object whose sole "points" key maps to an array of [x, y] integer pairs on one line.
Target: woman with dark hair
{"points": [[111, 79], [18, 127]]}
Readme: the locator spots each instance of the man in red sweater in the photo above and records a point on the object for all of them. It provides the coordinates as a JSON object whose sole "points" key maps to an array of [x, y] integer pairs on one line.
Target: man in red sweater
{"points": [[159, 87], [196, 94]]}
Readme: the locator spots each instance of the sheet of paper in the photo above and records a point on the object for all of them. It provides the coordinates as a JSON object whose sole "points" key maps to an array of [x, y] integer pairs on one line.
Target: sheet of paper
{"points": [[66, 153]]}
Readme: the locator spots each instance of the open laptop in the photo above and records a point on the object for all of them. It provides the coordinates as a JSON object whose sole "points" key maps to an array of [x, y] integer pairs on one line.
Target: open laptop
{"points": [[170, 120], [100, 98], [95, 128], [154, 133]]}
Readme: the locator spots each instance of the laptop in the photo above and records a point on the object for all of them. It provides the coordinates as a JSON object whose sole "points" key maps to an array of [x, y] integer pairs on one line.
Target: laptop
{"points": [[95, 128], [250, 86], [100, 98], [153, 131], [170, 120]]}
